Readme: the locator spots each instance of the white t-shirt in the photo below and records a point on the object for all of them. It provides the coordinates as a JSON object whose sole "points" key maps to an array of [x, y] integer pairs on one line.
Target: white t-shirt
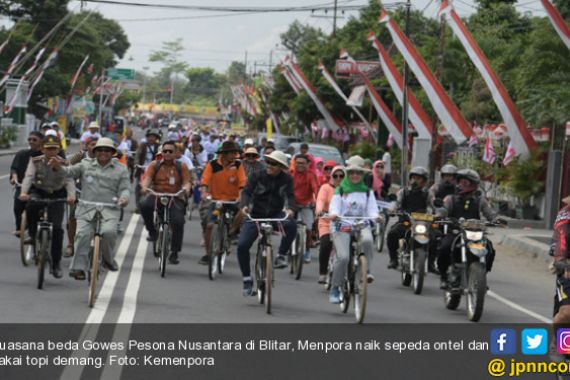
{"points": [[186, 161], [88, 135], [387, 163], [354, 205]]}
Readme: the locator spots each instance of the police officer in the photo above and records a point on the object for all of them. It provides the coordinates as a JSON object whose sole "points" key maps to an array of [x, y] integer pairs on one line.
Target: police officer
{"points": [[413, 198], [43, 182], [467, 203]]}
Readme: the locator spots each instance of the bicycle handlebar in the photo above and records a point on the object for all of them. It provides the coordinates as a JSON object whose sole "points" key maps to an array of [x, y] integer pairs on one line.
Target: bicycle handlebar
{"points": [[47, 200], [104, 204], [166, 194], [267, 219], [224, 202]]}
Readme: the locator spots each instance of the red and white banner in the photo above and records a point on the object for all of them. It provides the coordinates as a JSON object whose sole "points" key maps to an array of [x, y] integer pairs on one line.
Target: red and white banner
{"points": [[489, 155], [520, 136], [473, 141], [292, 83], [8, 107], [446, 110], [510, 155], [327, 75], [13, 65], [40, 74], [78, 72], [558, 22], [312, 92], [418, 117], [4, 44]]}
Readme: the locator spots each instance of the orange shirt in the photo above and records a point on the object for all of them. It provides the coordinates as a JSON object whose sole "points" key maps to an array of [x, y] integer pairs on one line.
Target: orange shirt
{"points": [[224, 183], [168, 179]]}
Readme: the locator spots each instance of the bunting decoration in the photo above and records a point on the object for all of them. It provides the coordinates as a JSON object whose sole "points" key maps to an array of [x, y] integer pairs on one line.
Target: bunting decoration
{"points": [[446, 110], [39, 76], [8, 108], [78, 72], [418, 116], [521, 138], [473, 141], [312, 92], [557, 21], [489, 155], [13, 65], [510, 155], [287, 76], [4, 44]]}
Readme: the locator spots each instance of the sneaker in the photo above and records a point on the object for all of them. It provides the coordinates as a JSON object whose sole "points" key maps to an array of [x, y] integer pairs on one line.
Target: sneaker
{"points": [[247, 288], [205, 260], [370, 278], [173, 259], [56, 271], [280, 262], [77, 274], [393, 264], [307, 257], [113, 267], [322, 279], [334, 295]]}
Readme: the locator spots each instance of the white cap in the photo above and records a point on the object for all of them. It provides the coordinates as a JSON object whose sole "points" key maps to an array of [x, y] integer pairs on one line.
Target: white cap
{"points": [[248, 142]]}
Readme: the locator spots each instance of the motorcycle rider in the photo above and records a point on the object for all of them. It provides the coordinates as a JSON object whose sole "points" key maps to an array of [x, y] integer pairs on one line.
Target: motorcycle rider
{"points": [[413, 198], [467, 203]]}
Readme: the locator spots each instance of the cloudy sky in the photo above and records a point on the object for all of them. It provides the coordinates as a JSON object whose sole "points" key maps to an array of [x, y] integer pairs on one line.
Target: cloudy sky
{"points": [[216, 39]]}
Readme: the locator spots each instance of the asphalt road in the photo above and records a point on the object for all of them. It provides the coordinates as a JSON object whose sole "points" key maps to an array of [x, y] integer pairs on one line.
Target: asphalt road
{"points": [[521, 290]]}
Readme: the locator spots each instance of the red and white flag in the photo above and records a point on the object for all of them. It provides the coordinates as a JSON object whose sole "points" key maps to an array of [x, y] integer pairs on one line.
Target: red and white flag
{"points": [[78, 72], [473, 141], [444, 107], [418, 116], [39, 76], [287, 76], [558, 22], [312, 92], [520, 136], [4, 44], [13, 65], [489, 155], [509, 155], [12, 102]]}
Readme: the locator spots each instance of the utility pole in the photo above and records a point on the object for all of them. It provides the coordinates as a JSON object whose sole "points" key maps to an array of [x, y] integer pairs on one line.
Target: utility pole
{"points": [[405, 106], [334, 18], [101, 88]]}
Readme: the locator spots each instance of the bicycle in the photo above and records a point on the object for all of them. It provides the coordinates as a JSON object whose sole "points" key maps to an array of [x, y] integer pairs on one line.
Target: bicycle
{"points": [[355, 284], [298, 249], [219, 240], [264, 280], [161, 246], [95, 259], [380, 227], [26, 247], [44, 237]]}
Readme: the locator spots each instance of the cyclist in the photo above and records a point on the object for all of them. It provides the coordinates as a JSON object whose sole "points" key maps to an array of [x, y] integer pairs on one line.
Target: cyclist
{"points": [[413, 198], [166, 176], [251, 162], [327, 170], [103, 180], [467, 203], [92, 131], [196, 152], [41, 182], [561, 253], [223, 179], [129, 146], [60, 135], [324, 197], [352, 198], [376, 182], [265, 196], [146, 153], [18, 170], [306, 187]]}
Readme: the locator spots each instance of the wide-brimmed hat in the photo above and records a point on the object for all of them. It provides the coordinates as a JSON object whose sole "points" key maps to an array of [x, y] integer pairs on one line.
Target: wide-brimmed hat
{"points": [[251, 150], [228, 147], [355, 163], [93, 124], [104, 142], [51, 142], [566, 200], [279, 157]]}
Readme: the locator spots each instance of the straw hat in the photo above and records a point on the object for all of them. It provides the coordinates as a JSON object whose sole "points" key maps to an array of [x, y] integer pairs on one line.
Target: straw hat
{"points": [[251, 150], [279, 157]]}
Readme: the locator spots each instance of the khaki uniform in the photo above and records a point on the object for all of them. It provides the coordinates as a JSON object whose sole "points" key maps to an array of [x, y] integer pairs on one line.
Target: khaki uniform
{"points": [[45, 178], [99, 184]]}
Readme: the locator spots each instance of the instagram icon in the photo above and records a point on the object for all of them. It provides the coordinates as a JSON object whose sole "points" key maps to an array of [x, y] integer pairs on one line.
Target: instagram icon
{"points": [[563, 341]]}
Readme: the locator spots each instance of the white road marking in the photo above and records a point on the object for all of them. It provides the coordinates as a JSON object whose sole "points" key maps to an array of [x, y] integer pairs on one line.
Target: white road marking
{"points": [[4, 176], [91, 327], [519, 307]]}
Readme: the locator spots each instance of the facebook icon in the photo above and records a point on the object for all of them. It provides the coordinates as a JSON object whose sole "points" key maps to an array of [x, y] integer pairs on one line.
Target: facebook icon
{"points": [[503, 342]]}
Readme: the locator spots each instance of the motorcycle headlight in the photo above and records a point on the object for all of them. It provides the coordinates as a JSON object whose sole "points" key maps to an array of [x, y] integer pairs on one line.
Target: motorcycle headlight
{"points": [[474, 235], [164, 201], [219, 205], [420, 229]]}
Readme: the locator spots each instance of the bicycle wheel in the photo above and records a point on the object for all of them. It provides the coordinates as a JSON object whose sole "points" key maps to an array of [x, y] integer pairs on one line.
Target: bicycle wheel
{"points": [[300, 247], [360, 288], [43, 253], [215, 245], [165, 249], [268, 278], [260, 273], [24, 248], [382, 236], [95, 261], [156, 245], [224, 249]]}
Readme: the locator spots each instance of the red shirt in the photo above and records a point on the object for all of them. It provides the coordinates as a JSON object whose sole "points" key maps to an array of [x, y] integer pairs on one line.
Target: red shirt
{"points": [[306, 187]]}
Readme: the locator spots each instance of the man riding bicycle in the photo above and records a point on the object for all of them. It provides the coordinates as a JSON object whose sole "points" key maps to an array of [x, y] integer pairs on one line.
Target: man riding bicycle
{"points": [[306, 188], [265, 196], [102, 180], [146, 153], [166, 176], [41, 182], [222, 180]]}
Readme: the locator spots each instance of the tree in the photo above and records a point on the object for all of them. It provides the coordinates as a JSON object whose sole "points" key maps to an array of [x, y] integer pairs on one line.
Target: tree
{"points": [[563, 7], [236, 73], [492, 3], [168, 76], [203, 83]]}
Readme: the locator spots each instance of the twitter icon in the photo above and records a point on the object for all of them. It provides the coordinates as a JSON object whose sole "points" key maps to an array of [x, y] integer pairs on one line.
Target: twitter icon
{"points": [[534, 342]]}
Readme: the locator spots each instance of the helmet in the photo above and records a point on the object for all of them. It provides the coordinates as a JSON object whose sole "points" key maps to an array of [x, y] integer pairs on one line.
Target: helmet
{"points": [[104, 142], [419, 171], [469, 174], [154, 132], [449, 169]]}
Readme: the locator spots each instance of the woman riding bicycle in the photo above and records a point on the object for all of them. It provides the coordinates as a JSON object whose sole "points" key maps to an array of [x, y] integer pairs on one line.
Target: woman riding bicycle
{"points": [[352, 198]]}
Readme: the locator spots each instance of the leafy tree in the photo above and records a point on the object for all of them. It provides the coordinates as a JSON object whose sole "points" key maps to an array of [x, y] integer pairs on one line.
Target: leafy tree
{"points": [[173, 66], [203, 83]]}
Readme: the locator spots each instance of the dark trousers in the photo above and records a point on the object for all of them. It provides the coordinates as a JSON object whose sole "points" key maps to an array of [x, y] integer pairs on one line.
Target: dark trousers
{"points": [[325, 253], [177, 212], [397, 232], [445, 259], [19, 208], [138, 193], [55, 216], [248, 234]]}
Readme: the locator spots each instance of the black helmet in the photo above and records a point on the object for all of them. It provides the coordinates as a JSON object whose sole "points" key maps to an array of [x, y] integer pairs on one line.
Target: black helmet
{"points": [[470, 175], [419, 171], [154, 132]]}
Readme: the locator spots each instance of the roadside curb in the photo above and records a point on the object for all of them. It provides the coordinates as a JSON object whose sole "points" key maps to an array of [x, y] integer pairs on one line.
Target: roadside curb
{"points": [[528, 246]]}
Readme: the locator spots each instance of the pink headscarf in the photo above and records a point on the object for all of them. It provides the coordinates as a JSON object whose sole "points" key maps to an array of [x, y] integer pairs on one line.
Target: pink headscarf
{"points": [[377, 184], [319, 172]]}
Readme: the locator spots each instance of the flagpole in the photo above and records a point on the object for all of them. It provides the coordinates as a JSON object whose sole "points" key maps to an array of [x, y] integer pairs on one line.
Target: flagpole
{"points": [[405, 106]]}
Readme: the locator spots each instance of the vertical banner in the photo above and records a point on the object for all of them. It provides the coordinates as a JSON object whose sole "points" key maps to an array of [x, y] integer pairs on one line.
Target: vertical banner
{"points": [[521, 138], [557, 21], [269, 125]]}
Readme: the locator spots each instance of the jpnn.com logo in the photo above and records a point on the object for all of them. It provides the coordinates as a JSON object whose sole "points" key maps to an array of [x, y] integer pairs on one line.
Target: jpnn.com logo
{"points": [[503, 342]]}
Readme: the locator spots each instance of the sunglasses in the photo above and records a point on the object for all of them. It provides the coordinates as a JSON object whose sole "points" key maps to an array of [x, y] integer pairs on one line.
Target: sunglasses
{"points": [[168, 151], [337, 176], [271, 163], [105, 150]]}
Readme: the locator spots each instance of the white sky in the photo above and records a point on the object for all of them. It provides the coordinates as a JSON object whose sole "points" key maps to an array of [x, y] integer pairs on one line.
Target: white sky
{"points": [[217, 41]]}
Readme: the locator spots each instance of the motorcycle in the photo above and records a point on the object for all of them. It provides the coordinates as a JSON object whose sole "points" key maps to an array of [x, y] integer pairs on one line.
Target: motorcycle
{"points": [[469, 276], [413, 251]]}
